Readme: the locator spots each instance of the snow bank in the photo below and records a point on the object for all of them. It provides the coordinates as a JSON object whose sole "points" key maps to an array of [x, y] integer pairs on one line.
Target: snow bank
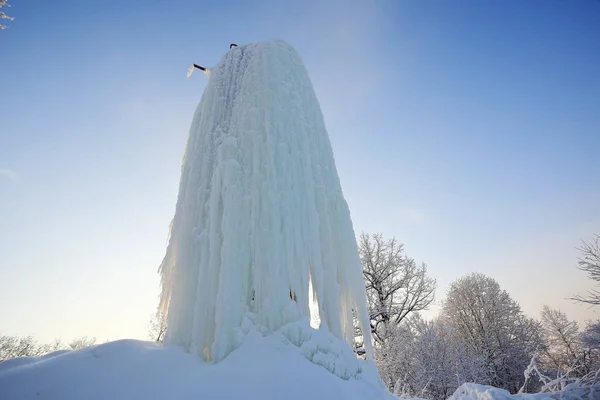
{"points": [[260, 212], [472, 391], [263, 367]]}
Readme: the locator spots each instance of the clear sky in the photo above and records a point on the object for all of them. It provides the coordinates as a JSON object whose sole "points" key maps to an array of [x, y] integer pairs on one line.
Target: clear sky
{"points": [[470, 130]]}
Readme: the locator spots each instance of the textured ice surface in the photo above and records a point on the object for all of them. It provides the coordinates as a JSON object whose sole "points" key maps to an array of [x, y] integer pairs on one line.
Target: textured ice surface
{"points": [[260, 211]]}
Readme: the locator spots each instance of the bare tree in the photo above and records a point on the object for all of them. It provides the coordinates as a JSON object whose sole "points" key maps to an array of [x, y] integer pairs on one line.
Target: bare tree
{"points": [[396, 286], [157, 327], [4, 3], [589, 262]]}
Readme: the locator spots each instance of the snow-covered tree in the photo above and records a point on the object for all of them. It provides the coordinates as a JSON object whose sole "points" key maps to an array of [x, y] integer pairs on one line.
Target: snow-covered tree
{"points": [[427, 359], [491, 324], [568, 357], [396, 285], [561, 339], [27, 346], [4, 3], [590, 347], [590, 337], [443, 362], [395, 358], [569, 367], [12, 347], [82, 342], [589, 262], [53, 346]]}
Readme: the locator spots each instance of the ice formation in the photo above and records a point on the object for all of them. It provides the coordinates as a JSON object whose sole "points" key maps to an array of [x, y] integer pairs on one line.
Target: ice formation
{"points": [[260, 211]]}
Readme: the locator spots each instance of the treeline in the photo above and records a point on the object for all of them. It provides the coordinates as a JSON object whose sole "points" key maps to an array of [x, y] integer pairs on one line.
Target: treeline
{"points": [[13, 346], [481, 335]]}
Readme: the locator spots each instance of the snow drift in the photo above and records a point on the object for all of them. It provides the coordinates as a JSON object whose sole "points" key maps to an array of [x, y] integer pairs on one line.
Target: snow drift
{"points": [[268, 367], [260, 211], [473, 391], [263, 367]]}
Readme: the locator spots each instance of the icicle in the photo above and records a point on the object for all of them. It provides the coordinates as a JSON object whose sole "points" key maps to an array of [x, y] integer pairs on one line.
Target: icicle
{"points": [[190, 70]]}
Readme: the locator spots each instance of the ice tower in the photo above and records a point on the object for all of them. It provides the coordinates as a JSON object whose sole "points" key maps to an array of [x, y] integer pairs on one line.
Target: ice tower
{"points": [[260, 211]]}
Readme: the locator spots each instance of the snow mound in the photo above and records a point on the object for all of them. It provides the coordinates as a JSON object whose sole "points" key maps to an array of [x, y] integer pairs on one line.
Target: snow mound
{"points": [[322, 348], [473, 391], [263, 367], [260, 215]]}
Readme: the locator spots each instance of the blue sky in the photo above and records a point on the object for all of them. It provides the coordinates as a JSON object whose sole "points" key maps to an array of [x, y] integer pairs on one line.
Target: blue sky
{"points": [[470, 130]]}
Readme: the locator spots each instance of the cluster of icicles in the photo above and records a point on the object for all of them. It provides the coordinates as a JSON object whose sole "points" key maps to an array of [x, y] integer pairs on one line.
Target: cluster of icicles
{"points": [[260, 213]]}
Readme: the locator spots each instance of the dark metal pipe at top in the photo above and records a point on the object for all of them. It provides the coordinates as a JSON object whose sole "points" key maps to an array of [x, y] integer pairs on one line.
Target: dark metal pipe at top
{"points": [[232, 45]]}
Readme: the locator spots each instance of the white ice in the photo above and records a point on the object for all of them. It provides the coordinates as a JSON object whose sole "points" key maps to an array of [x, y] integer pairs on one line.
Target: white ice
{"points": [[260, 211]]}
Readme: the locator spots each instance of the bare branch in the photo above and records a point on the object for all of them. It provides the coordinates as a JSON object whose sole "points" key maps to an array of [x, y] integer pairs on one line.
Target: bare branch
{"points": [[589, 262], [396, 286]]}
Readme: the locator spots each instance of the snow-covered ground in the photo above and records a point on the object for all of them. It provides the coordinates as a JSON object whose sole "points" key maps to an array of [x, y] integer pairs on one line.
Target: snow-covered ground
{"points": [[473, 391], [265, 366]]}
